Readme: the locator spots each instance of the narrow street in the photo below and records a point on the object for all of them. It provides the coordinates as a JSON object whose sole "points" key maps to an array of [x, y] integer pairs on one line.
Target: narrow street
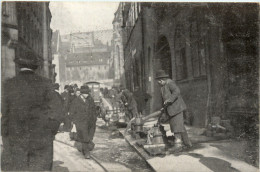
{"points": [[111, 151], [156, 86]]}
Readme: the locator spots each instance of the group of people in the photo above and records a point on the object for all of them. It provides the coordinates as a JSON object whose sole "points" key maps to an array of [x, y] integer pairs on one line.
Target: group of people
{"points": [[32, 113], [81, 111]]}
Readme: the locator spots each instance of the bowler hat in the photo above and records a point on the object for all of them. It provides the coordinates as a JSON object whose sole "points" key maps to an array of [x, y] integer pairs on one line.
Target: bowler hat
{"points": [[84, 89], [29, 60], [161, 74]]}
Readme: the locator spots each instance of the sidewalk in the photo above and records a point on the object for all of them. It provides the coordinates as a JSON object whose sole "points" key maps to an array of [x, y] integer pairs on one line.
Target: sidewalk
{"points": [[208, 154]]}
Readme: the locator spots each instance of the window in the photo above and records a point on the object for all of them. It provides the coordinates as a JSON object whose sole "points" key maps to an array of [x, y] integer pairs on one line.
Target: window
{"points": [[180, 54], [4, 9], [198, 48]]}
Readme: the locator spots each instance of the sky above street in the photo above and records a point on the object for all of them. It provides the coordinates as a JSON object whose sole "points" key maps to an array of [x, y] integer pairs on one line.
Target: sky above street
{"points": [[82, 16]]}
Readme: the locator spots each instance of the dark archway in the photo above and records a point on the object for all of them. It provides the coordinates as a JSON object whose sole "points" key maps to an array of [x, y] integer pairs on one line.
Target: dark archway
{"points": [[164, 54]]}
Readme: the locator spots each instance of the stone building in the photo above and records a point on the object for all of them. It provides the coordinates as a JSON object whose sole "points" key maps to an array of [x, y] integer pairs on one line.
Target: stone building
{"points": [[133, 45], [117, 47], [26, 27], [210, 49], [87, 56], [58, 60]]}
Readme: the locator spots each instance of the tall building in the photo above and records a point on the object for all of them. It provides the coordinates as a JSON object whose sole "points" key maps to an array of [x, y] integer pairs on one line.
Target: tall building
{"points": [[117, 55], [26, 27]]}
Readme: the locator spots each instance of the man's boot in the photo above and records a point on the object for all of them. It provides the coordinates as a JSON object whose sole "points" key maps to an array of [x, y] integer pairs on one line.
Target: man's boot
{"points": [[185, 138], [87, 154], [178, 145]]}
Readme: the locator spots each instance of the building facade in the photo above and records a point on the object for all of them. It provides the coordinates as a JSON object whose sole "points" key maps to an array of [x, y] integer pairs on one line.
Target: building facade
{"points": [[211, 50], [133, 45], [26, 27], [58, 60], [87, 57], [117, 47]]}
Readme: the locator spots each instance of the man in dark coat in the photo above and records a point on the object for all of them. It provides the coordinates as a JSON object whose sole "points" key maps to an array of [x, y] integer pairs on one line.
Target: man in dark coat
{"points": [[68, 96], [56, 87], [141, 99], [31, 115], [171, 95], [129, 103], [65, 94], [83, 114]]}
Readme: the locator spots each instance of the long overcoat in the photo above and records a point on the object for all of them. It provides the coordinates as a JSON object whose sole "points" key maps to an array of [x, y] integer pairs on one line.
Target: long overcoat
{"points": [[170, 91], [65, 96], [130, 103], [31, 115], [83, 114], [141, 99]]}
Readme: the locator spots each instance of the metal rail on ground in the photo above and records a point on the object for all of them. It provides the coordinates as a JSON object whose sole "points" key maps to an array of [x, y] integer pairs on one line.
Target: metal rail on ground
{"points": [[91, 156]]}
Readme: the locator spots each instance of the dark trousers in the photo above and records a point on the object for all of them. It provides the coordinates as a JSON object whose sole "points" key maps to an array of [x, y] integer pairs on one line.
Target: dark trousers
{"points": [[85, 134], [67, 124], [16, 158], [177, 127]]}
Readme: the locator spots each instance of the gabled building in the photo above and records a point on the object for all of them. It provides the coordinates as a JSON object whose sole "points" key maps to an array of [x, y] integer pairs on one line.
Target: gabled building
{"points": [[87, 57]]}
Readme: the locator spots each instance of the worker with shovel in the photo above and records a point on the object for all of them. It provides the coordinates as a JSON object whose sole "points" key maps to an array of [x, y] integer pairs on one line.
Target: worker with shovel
{"points": [[171, 95]]}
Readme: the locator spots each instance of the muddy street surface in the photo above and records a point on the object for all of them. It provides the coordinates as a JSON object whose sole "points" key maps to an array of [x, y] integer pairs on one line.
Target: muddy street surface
{"points": [[114, 152], [111, 151]]}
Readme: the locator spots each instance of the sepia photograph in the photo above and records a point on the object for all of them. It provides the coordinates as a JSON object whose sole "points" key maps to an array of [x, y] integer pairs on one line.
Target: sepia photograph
{"points": [[134, 86]]}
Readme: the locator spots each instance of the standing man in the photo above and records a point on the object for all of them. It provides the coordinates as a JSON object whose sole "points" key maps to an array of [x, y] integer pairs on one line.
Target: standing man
{"points": [[129, 103], [31, 115], [171, 95], [141, 99], [66, 101], [65, 94], [83, 114]]}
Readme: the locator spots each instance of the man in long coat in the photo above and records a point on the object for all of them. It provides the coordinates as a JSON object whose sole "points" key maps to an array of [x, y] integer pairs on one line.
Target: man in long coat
{"points": [[65, 95], [129, 103], [171, 95], [141, 99], [31, 115], [83, 114]]}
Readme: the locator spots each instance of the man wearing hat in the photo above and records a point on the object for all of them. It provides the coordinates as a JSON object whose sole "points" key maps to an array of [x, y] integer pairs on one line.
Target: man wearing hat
{"points": [[129, 103], [141, 98], [31, 115], [171, 95], [83, 114]]}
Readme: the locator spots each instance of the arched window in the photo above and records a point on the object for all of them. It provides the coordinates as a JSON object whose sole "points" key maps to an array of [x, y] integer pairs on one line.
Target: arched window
{"points": [[180, 53], [198, 48], [164, 54]]}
